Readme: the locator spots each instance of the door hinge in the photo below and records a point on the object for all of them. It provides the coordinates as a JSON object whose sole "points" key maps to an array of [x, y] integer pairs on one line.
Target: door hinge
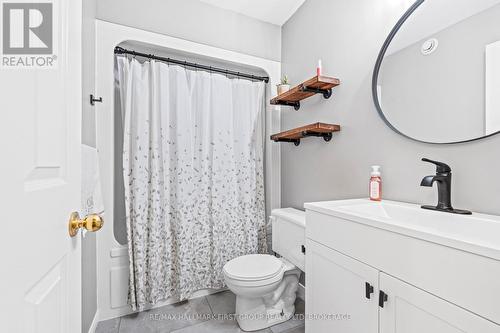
{"points": [[303, 249], [382, 298], [368, 290]]}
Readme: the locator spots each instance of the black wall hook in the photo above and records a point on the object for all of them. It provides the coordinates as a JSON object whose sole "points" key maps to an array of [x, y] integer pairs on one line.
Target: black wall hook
{"points": [[94, 100]]}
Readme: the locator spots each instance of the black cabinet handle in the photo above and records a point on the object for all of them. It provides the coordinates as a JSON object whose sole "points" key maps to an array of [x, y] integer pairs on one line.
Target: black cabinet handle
{"points": [[303, 249], [368, 290], [382, 298]]}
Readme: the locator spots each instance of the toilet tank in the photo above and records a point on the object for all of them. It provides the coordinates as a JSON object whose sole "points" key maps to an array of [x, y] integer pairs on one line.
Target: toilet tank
{"points": [[289, 235]]}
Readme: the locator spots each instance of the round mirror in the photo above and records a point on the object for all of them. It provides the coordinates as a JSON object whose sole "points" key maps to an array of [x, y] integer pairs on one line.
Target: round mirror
{"points": [[437, 77]]}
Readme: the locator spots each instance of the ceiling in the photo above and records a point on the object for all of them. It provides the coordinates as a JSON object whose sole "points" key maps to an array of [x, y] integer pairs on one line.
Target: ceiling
{"points": [[272, 11]]}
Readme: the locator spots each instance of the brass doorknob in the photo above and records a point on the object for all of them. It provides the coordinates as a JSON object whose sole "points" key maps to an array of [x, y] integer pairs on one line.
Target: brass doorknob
{"points": [[92, 222]]}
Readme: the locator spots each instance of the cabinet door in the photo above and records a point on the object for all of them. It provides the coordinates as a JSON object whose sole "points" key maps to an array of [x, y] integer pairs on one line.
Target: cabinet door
{"points": [[412, 310], [336, 298]]}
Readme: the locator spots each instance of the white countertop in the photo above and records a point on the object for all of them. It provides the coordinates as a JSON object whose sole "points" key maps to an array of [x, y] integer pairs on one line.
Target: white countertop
{"points": [[476, 233]]}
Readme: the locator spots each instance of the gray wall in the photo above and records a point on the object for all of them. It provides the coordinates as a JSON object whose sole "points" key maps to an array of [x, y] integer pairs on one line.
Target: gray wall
{"points": [[352, 34], [449, 83], [89, 255], [196, 21]]}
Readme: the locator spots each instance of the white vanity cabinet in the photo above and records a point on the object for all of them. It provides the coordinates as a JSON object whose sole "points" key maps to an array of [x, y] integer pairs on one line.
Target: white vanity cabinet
{"points": [[419, 286], [411, 310], [340, 286]]}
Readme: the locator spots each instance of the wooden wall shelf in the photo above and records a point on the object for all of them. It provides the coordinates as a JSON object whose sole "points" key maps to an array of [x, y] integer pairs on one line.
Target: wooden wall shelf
{"points": [[318, 129], [317, 85]]}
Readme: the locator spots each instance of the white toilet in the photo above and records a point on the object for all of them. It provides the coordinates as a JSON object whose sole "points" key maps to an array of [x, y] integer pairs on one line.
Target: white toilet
{"points": [[266, 286]]}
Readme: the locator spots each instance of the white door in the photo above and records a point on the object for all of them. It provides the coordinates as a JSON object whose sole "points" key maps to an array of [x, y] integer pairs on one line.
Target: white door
{"points": [[339, 294], [411, 310], [40, 126]]}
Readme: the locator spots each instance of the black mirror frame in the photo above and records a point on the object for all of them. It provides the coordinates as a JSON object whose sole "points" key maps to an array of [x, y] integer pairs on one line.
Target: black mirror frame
{"points": [[376, 71]]}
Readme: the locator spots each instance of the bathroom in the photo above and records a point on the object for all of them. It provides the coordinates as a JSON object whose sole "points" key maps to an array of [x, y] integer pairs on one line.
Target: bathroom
{"points": [[316, 254]]}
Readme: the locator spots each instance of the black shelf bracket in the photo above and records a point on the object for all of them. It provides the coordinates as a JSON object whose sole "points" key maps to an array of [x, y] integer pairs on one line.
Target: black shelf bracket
{"points": [[296, 105], [326, 136], [327, 93], [294, 141]]}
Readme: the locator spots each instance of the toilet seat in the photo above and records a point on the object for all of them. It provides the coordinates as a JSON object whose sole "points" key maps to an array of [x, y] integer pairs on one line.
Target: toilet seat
{"points": [[255, 269]]}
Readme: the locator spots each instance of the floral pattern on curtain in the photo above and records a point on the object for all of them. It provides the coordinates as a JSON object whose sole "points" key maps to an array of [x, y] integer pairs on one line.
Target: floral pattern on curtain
{"points": [[194, 176]]}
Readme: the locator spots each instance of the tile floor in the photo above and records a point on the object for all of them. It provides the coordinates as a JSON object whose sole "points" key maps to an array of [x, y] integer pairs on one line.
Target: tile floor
{"points": [[194, 316]]}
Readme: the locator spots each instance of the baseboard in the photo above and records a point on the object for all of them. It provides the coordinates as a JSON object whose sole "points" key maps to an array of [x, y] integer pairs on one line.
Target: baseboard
{"points": [[301, 292], [95, 321]]}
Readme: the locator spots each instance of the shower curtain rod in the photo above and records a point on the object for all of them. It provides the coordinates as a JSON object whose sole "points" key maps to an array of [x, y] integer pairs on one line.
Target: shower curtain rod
{"points": [[121, 50]]}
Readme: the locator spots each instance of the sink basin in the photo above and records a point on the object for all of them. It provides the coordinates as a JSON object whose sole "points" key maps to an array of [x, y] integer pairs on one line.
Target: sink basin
{"points": [[477, 233]]}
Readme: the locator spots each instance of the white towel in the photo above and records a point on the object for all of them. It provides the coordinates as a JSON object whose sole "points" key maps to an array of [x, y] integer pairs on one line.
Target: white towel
{"points": [[92, 202]]}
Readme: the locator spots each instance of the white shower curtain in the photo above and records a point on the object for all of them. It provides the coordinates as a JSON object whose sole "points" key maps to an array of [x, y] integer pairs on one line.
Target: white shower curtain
{"points": [[194, 179]]}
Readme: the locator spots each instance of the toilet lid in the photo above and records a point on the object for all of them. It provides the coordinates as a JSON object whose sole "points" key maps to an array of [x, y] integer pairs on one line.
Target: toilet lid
{"points": [[253, 267]]}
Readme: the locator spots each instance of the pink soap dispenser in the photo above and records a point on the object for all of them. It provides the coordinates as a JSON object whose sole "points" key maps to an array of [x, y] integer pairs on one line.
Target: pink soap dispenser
{"points": [[375, 184], [319, 69]]}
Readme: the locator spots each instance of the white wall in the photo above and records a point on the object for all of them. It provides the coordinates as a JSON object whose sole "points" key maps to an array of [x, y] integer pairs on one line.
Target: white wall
{"points": [[89, 259], [198, 22], [354, 33]]}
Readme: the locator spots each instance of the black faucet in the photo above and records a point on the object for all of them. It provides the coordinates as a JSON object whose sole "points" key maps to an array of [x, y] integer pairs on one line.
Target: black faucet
{"points": [[443, 180]]}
